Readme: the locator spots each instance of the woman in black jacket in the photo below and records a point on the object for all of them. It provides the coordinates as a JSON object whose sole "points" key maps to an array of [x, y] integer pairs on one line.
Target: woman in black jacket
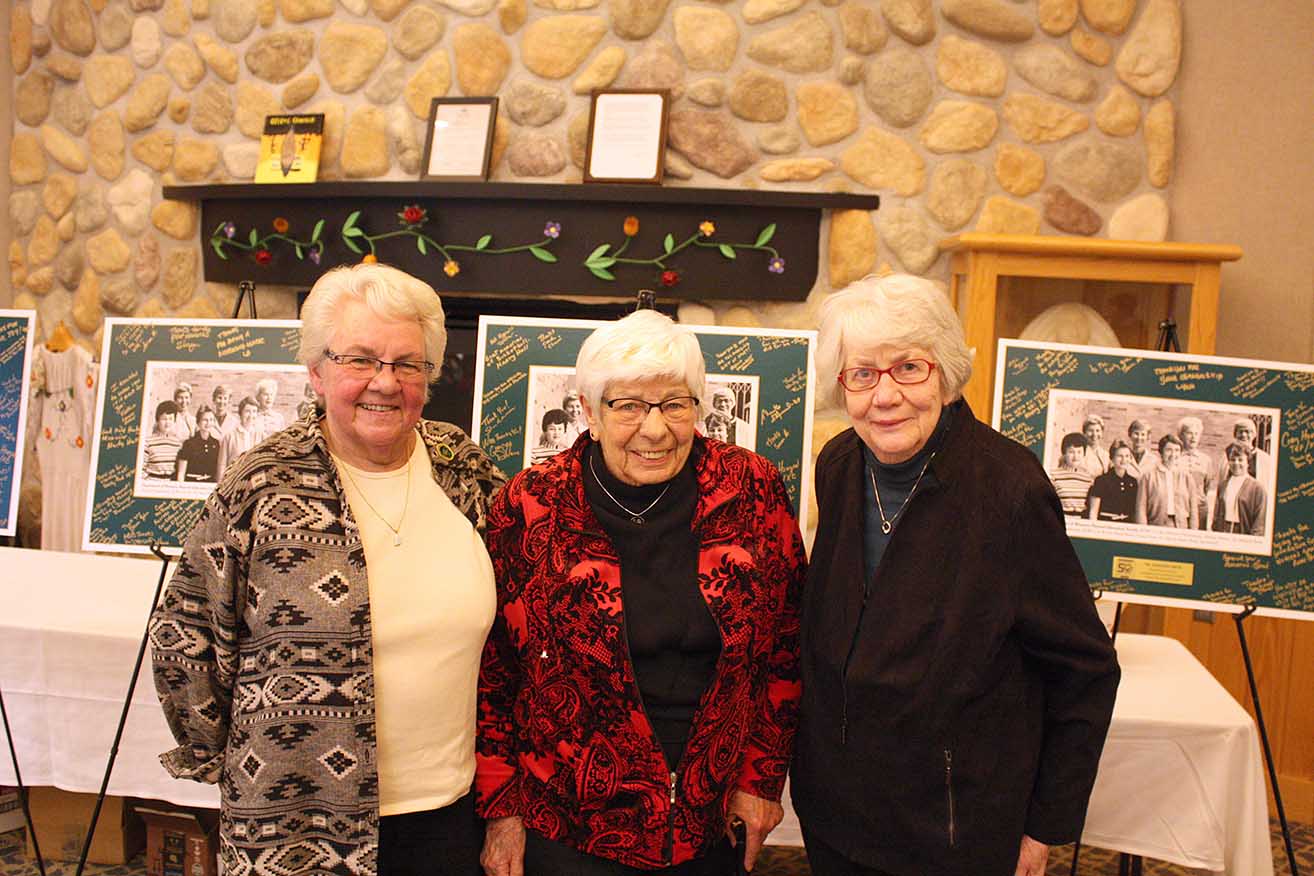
{"points": [[957, 682]]}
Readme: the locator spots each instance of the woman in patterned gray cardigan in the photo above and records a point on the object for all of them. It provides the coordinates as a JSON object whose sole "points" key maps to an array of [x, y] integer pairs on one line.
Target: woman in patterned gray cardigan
{"points": [[317, 650]]}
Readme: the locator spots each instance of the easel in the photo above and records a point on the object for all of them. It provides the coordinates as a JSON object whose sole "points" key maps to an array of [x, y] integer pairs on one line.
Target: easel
{"points": [[245, 292], [1130, 865], [127, 702], [22, 789]]}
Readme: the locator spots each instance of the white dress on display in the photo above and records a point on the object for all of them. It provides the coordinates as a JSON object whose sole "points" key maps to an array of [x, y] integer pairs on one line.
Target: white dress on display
{"points": [[63, 399]]}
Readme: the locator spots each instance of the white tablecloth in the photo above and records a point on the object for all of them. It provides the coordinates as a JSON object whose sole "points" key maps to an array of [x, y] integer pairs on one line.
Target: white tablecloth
{"points": [[70, 625], [1181, 779]]}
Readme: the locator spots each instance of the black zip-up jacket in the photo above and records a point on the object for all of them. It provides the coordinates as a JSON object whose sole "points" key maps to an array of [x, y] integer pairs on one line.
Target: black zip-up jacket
{"points": [[967, 701]]}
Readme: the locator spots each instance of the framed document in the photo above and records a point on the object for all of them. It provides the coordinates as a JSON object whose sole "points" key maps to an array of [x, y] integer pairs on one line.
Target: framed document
{"points": [[459, 142], [627, 136]]}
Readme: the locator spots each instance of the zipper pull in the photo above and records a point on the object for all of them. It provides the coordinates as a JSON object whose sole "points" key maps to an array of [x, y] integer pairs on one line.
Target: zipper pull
{"points": [[672, 788]]}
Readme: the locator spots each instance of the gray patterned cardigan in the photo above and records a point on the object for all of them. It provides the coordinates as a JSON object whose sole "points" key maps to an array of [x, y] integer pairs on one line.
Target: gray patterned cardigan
{"points": [[262, 653]]}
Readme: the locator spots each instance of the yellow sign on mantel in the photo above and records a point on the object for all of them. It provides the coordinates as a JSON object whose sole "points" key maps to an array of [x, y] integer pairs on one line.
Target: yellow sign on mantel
{"points": [[1157, 571]]}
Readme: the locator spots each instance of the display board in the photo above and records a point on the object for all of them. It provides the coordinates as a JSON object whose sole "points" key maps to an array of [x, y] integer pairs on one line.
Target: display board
{"points": [[1210, 504], [15, 374], [758, 393], [156, 377]]}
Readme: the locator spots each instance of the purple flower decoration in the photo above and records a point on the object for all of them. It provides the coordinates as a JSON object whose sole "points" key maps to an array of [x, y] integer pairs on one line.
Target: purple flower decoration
{"points": [[314, 256], [230, 230], [776, 265], [552, 229]]}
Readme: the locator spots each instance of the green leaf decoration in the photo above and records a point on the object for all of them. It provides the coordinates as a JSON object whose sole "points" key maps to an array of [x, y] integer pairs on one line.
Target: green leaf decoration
{"points": [[219, 249], [351, 244], [353, 232], [218, 229], [542, 255], [598, 252], [765, 235], [669, 243], [603, 263], [297, 247], [351, 221], [603, 273], [727, 251], [484, 241], [419, 244], [314, 235], [255, 238]]}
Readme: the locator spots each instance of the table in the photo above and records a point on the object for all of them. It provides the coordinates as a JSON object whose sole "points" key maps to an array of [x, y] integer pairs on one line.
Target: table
{"points": [[1181, 779], [982, 264], [70, 625]]}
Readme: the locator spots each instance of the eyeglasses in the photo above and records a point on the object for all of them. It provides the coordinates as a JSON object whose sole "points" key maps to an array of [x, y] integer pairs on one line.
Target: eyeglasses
{"points": [[906, 373], [633, 411], [368, 366]]}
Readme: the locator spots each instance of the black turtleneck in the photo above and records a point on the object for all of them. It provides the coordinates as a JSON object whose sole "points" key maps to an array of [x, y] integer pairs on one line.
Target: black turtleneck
{"points": [[673, 640], [896, 482]]}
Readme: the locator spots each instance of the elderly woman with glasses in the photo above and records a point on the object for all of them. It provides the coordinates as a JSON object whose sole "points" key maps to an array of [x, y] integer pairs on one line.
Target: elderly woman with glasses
{"points": [[639, 689], [957, 681], [317, 650]]}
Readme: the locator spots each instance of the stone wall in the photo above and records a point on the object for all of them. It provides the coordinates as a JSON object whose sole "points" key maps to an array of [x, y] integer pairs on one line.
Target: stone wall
{"points": [[1053, 116]]}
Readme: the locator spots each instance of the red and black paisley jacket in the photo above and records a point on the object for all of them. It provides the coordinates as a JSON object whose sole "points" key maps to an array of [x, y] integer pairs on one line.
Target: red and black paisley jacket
{"points": [[564, 742]]}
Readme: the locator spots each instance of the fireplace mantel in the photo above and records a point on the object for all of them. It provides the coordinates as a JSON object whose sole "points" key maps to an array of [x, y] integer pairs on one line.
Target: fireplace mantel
{"points": [[517, 215]]}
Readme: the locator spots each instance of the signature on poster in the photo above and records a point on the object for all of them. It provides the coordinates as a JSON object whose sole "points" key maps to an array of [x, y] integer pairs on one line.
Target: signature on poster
{"points": [[236, 342], [124, 395], [116, 474], [1293, 547], [134, 338], [188, 338], [549, 339], [1120, 366], [796, 382], [736, 357], [774, 413], [1254, 383], [1056, 363]]}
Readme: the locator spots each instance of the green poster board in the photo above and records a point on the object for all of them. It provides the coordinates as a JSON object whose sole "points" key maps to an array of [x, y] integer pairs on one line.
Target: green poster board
{"points": [[760, 379], [135, 499], [15, 370], [1217, 516]]}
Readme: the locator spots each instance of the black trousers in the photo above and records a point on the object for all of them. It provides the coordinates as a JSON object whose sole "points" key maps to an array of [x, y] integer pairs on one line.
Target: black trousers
{"points": [[546, 857], [824, 860], [437, 841]]}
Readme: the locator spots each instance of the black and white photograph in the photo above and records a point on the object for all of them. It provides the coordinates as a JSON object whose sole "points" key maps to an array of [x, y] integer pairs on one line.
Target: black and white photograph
{"points": [[728, 411], [1161, 471], [197, 420]]}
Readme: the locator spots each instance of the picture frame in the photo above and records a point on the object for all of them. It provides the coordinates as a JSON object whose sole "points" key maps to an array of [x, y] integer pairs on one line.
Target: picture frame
{"points": [[17, 328], [1113, 428], [627, 136], [140, 494], [458, 143]]}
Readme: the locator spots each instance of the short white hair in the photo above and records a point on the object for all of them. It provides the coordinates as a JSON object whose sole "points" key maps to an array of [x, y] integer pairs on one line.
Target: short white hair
{"points": [[390, 294], [268, 384], [1190, 421], [644, 345], [900, 310]]}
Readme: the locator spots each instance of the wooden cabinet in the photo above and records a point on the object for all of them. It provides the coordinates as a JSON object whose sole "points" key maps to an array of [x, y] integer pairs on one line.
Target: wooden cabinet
{"points": [[1000, 282]]}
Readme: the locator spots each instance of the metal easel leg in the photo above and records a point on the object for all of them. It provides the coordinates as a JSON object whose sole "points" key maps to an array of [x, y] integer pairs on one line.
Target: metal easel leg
{"points": [[123, 717], [22, 790], [1263, 736]]}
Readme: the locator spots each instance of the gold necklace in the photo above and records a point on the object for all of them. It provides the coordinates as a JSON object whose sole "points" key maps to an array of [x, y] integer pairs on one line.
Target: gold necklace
{"points": [[396, 530], [888, 524], [636, 517]]}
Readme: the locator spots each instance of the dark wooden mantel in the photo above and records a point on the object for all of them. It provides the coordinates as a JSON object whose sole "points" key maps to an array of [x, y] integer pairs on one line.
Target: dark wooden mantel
{"points": [[515, 213]]}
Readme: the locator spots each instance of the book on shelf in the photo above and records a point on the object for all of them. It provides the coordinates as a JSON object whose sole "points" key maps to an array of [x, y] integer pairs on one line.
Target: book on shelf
{"points": [[289, 148]]}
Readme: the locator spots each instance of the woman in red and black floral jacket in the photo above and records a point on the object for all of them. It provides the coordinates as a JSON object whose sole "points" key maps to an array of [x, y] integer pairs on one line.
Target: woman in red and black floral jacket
{"points": [[639, 689]]}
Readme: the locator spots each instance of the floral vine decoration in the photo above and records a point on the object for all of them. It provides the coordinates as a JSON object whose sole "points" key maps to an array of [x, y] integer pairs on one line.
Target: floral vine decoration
{"points": [[603, 259], [412, 220], [261, 246]]}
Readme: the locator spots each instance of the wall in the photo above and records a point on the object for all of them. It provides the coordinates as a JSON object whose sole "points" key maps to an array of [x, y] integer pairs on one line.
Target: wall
{"points": [[1245, 177]]}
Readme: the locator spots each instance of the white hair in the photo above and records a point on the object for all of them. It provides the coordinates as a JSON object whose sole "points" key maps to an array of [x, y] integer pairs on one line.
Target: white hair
{"points": [[268, 384], [644, 345], [390, 294], [900, 310], [1190, 421]]}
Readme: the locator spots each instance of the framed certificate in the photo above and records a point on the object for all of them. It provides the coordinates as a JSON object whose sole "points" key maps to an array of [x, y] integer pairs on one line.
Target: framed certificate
{"points": [[627, 136], [459, 142]]}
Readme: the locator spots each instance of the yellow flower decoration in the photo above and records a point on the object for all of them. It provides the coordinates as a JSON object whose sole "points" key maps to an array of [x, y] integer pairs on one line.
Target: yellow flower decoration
{"points": [[707, 228], [451, 268], [631, 226], [280, 225]]}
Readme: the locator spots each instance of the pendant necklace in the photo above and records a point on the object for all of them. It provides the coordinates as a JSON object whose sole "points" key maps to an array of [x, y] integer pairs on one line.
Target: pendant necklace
{"points": [[636, 517], [888, 523], [396, 530]]}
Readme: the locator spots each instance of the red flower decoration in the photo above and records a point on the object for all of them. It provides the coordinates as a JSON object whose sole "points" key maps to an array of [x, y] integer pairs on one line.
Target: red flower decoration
{"points": [[80, 442], [670, 278], [413, 214], [263, 256]]}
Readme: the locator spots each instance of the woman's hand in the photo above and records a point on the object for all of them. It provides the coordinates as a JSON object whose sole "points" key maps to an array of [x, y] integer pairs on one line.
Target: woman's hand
{"points": [[504, 847], [1031, 857], [759, 816]]}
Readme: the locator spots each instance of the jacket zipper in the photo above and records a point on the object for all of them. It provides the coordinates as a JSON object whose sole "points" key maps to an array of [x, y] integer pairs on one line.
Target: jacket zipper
{"points": [[949, 794], [844, 677]]}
